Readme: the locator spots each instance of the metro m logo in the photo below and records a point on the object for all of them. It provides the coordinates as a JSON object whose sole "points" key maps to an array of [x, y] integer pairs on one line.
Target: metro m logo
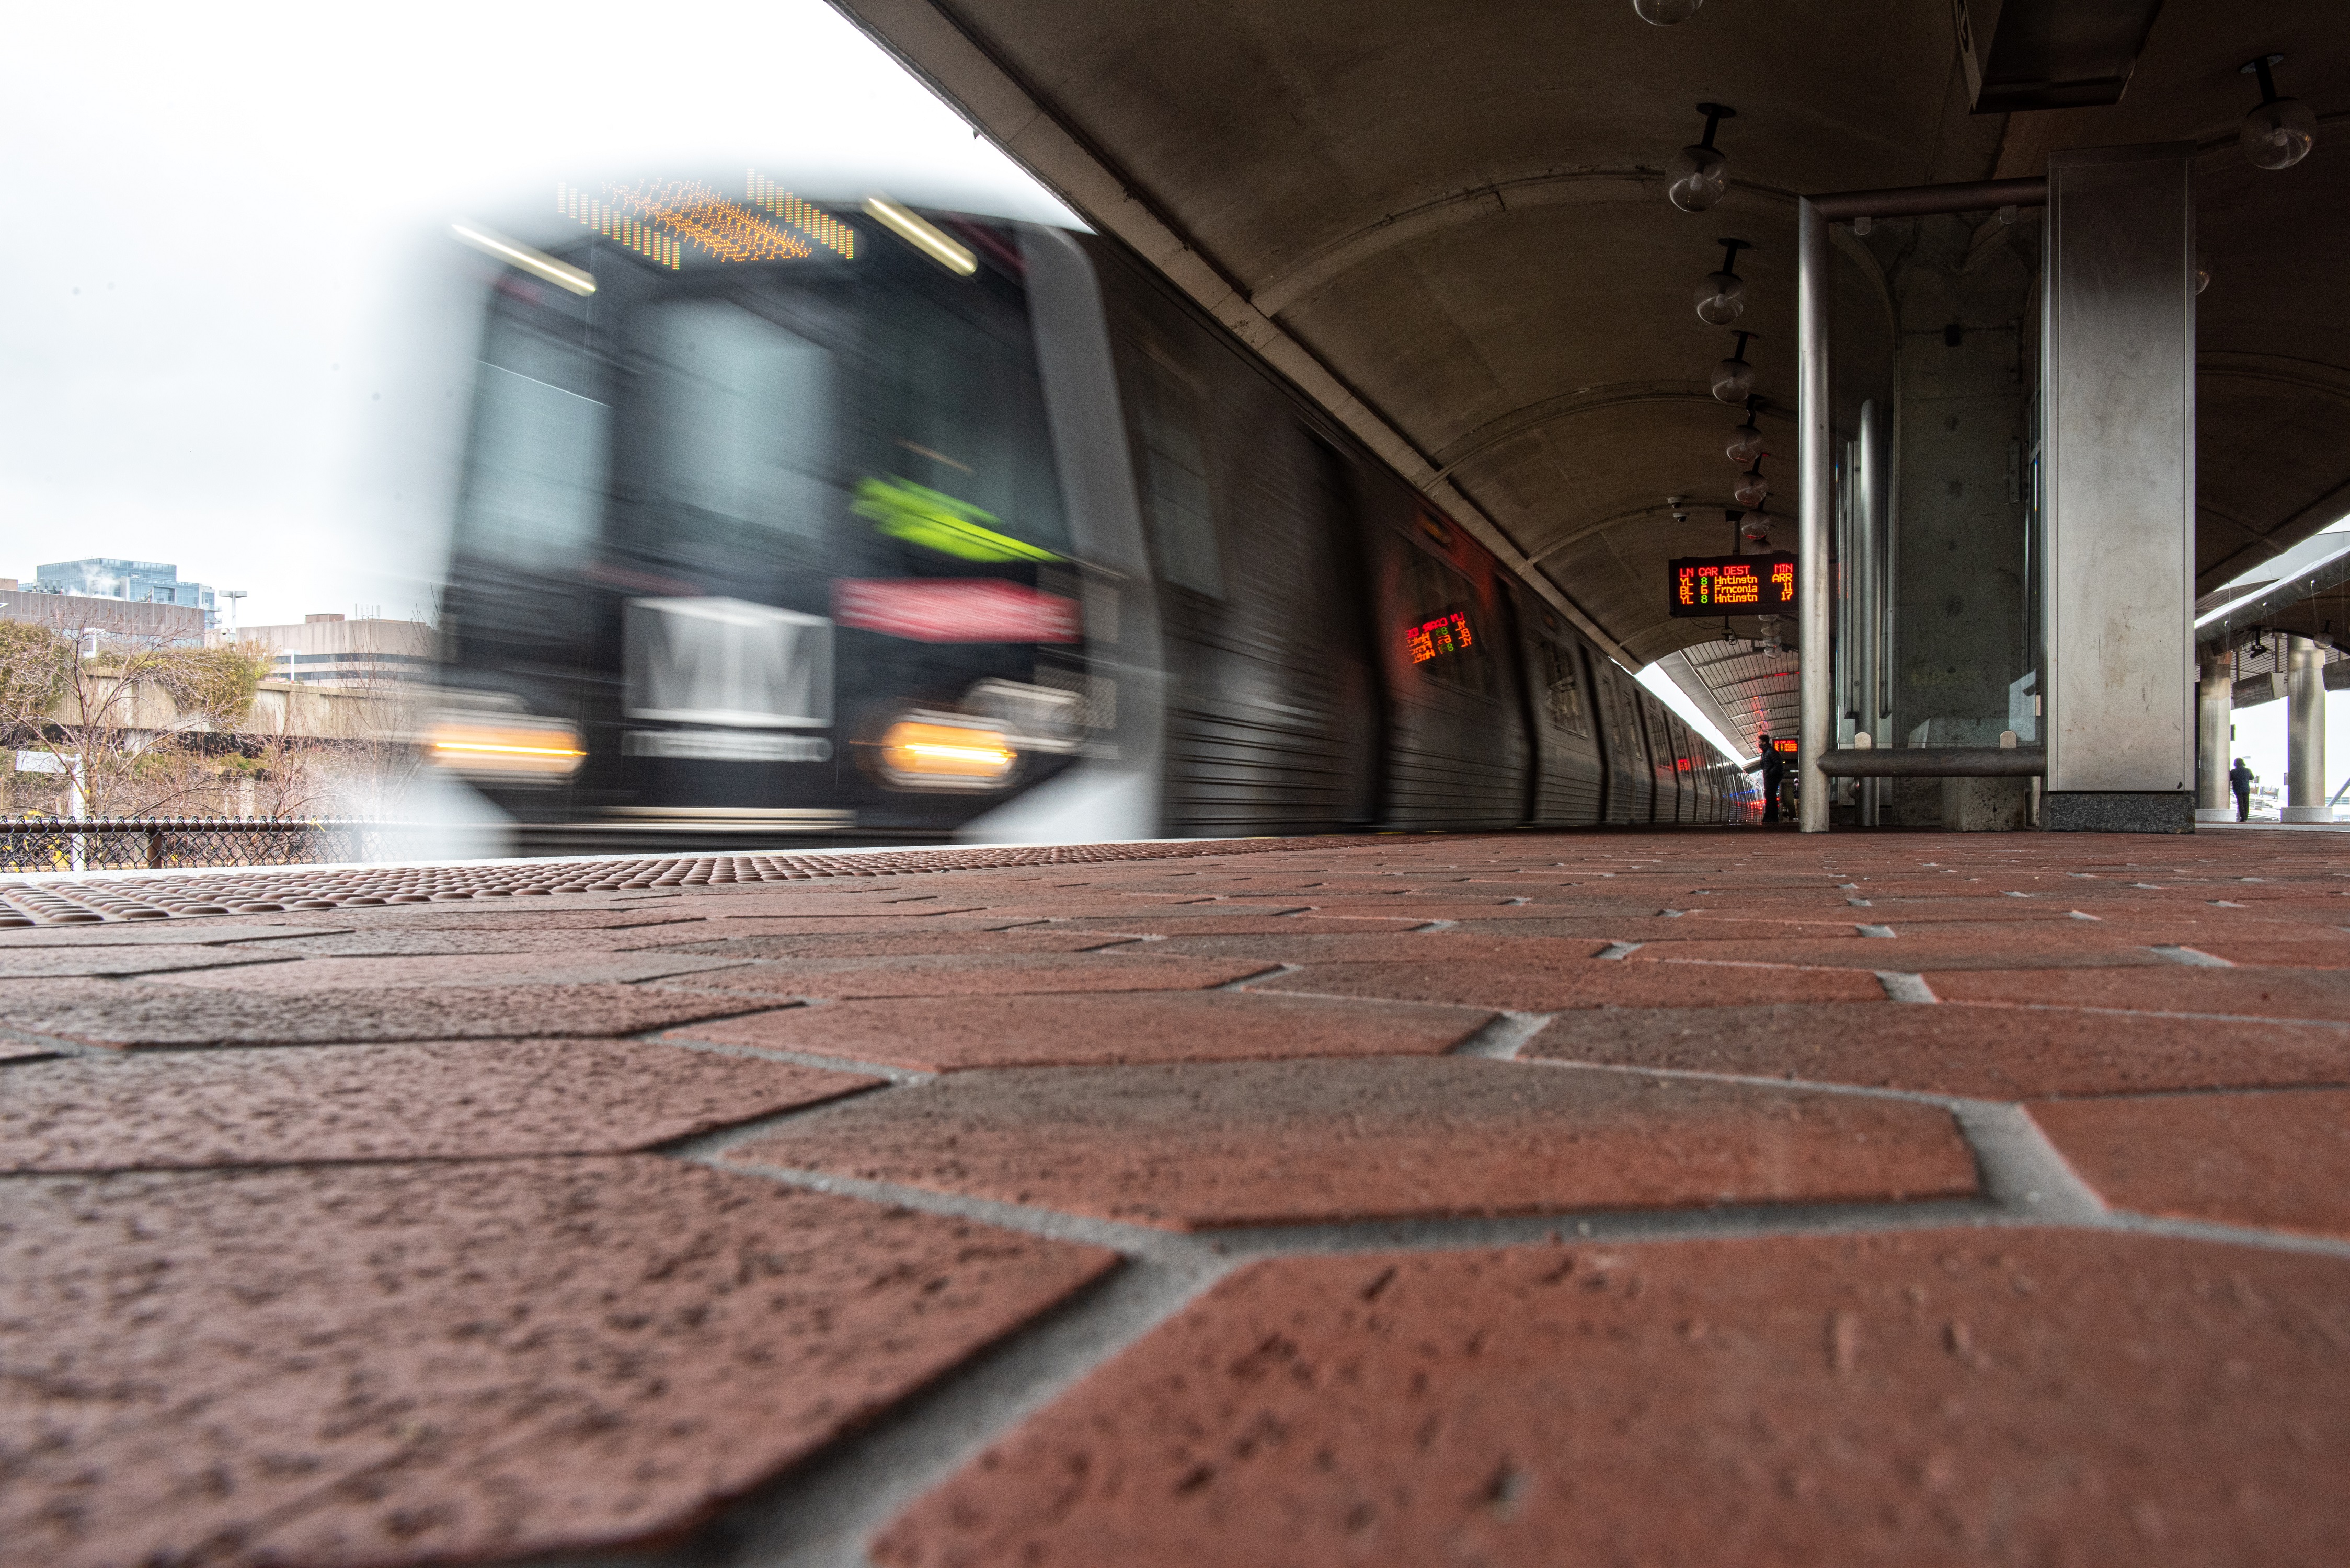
{"points": [[728, 661]]}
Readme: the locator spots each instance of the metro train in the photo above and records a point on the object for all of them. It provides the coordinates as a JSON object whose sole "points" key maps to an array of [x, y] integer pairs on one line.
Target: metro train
{"points": [[855, 522]]}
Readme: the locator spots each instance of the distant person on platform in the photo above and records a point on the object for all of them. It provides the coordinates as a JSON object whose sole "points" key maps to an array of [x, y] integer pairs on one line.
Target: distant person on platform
{"points": [[2239, 779], [1774, 774]]}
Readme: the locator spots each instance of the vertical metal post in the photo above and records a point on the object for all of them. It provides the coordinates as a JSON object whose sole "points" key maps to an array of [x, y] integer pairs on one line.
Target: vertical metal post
{"points": [[1815, 730], [2214, 707], [2304, 732], [1864, 634]]}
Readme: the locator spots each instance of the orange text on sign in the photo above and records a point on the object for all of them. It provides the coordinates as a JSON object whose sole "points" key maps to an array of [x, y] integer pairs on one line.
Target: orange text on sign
{"points": [[1445, 634]]}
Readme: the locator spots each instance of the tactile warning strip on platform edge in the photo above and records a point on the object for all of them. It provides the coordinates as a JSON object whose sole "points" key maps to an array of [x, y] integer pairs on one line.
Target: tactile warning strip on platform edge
{"points": [[274, 888]]}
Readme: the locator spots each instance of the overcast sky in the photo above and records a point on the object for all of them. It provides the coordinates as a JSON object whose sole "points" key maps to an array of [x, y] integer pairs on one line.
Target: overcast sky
{"points": [[235, 336]]}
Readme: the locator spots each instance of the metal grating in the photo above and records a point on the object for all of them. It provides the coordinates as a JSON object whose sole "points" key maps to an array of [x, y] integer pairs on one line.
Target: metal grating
{"points": [[260, 891]]}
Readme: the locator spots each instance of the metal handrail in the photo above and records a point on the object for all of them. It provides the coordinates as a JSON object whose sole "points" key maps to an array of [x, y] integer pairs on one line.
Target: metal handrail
{"points": [[1934, 761]]}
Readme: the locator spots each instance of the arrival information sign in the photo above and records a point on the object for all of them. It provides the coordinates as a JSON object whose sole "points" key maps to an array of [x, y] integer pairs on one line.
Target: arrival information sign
{"points": [[1734, 585]]}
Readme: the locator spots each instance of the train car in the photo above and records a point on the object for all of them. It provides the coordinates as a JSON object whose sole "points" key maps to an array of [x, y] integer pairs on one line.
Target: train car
{"points": [[852, 522]]}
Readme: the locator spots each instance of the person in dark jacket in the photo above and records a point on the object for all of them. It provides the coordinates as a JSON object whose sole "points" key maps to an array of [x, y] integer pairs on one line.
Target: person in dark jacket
{"points": [[2239, 779], [1774, 774]]}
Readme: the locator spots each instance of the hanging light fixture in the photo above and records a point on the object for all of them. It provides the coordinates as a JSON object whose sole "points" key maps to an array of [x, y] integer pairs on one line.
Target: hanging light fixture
{"points": [[1746, 441], [1666, 13], [1752, 488], [2278, 133], [1698, 175], [1733, 378], [1757, 526], [1722, 298]]}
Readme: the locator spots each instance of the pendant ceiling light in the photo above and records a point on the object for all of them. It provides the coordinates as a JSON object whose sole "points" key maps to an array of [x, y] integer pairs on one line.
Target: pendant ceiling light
{"points": [[1733, 378], [1666, 13], [2277, 134], [1757, 526], [1698, 175], [1752, 488], [1746, 441], [1722, 298]]}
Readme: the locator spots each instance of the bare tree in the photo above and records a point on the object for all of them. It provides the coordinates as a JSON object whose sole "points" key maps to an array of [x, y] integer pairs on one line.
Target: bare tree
{"points": [[113, 701]]}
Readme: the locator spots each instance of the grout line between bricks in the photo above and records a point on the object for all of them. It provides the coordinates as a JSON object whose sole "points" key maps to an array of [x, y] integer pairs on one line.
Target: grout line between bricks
{"points": [[1251, 982], [821, 1513], [2021, 1169], [1501, 1038], [1902, 987], [829, 1064]]}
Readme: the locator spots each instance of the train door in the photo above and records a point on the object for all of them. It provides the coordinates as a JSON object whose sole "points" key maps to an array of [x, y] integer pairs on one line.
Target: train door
{"points": [[1631, 790], [1457, 746], [1271, 715], [1567, 768], [1359, 698], [1659, 752]]}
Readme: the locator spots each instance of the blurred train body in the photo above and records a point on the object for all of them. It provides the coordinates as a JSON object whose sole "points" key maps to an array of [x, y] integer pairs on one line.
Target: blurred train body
{"points": [[851, 545]]}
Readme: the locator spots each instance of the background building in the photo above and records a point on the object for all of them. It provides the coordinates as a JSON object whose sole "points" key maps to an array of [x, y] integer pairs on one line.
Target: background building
{"points": [[135, 582], [110, 621], [330, 650]]}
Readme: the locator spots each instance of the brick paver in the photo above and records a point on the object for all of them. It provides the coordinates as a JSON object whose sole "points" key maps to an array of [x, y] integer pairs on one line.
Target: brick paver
{"points": [[956, 975], [445, 1100], [1099, 1030], [145, 958], [399, 1215], [1196, 1146], [1546, 986], [2276, 1159], [144, 1013], [1944, 1397], [462, 1360], [1985, 1052]]}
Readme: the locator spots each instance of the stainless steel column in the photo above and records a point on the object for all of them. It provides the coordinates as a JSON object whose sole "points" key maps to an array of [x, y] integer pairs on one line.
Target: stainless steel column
{"points": [[1815, 730], [1865, 635], [2117, 354], [2214, 707], [2304, 732]]}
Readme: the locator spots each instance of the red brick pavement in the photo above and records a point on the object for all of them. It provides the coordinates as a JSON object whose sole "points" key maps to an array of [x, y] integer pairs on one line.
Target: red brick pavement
{"points": [[1515, 1198]]}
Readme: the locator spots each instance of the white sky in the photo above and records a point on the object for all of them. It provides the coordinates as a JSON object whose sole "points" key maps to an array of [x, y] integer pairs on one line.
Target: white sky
{"points": [[2260, 741], [237, 332]]}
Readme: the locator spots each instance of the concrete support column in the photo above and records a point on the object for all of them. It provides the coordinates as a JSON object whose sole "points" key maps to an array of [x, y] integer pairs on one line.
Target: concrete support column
{"points": [[2304, 732], [2117, 354], [2214, 710]]}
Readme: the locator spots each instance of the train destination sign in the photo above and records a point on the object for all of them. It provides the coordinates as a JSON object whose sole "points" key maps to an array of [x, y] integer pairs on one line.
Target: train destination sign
{"points": [[1734, 585]]}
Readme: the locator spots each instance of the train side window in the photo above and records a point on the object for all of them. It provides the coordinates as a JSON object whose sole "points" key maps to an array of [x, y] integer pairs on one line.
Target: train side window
{"points": [[1563, 696], [744, 408], [1443, 640], [535, 476], [1175, 480]]}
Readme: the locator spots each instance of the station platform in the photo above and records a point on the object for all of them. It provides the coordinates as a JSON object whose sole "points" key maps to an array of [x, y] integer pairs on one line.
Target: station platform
{"points": [[1669, 1197]]}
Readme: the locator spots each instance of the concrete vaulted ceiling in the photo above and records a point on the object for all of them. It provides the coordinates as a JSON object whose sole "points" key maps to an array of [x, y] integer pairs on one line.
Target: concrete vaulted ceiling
{"points": [[1447, 223]]}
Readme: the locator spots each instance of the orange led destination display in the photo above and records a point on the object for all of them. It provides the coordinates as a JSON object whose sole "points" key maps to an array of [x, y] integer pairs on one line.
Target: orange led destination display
{"points": [[1448, 633], [1734, 585]]}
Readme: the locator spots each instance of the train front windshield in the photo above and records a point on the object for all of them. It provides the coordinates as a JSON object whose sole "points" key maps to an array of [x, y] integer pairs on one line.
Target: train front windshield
{"points": [[770, 543]]}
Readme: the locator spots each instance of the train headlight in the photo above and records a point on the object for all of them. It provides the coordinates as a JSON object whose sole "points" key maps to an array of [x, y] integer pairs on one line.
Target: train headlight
{"points": [[928, 754], [505, 746]]}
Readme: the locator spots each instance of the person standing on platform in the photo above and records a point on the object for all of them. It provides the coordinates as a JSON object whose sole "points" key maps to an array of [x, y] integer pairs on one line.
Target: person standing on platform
{"points": [[2239, 779], [1775, 774]]}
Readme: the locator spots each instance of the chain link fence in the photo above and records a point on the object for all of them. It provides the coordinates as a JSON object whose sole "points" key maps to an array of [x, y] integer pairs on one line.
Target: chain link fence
{"points": [[156, 844]]}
